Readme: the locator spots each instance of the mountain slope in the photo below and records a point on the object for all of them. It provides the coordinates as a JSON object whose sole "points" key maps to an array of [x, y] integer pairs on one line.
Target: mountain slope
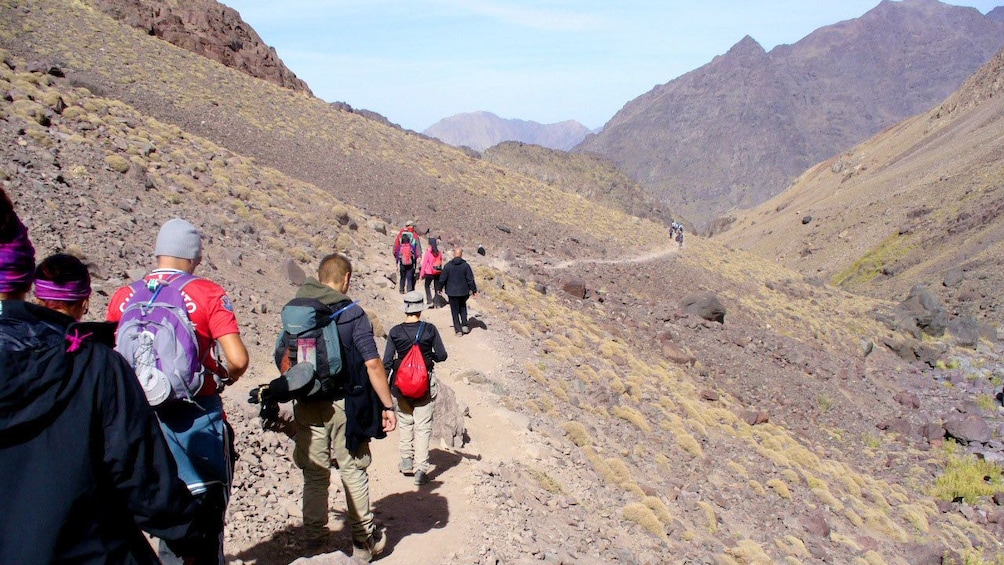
{"points": [[207, 28], [908, 206], [739, 129], [588, 175], [647, 433], [481, 130]]}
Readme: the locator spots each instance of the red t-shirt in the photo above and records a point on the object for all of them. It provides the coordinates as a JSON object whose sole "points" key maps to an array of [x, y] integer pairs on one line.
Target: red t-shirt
{"points": [[209, 309]]}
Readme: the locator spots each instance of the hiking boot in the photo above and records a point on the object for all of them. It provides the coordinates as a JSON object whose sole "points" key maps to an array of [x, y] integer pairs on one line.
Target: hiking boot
{"points": [[372, 547], [421, 478], [406, 466], [465, 329], [315, 546], [460, 334]]}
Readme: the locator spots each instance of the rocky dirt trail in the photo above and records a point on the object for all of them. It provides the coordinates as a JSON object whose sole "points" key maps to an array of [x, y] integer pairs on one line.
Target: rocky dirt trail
{"points": [[643, 258], [434, 523]]}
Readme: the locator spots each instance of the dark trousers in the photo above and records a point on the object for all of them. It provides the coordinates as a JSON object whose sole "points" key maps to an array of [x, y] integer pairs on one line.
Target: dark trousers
{"points": [[432, 280], [407, 278], [458, 308]]}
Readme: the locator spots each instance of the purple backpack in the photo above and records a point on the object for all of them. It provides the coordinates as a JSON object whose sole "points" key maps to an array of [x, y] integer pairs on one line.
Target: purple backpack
{"points": [[158, 340]]}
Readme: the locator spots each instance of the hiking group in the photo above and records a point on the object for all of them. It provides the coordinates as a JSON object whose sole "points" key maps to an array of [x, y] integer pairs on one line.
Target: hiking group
{"points": [[676, 233], [115, 428]]}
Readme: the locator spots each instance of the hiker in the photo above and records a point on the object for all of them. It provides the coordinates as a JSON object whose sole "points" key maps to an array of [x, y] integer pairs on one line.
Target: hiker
{"points": [[407, 252], [458, 282], [63, 284], [342, 422], [432, 269], [197, 431], [84, 467], [679, 236], [414, 415]]}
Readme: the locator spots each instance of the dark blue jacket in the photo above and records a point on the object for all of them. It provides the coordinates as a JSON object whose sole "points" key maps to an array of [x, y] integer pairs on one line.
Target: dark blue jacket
{"points": [[83, 464], [458, 278]]}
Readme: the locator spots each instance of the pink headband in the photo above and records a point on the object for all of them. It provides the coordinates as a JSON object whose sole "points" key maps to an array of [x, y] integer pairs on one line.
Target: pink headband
{"points": [[71, 291], [17, 261]]}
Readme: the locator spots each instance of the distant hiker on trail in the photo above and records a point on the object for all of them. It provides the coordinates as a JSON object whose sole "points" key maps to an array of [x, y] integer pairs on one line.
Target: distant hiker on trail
{"points": [[194, 422], [341, 422], [679, 236], [414, 409], [458, 282], [432, 270], [84, 466], [407, 253]]}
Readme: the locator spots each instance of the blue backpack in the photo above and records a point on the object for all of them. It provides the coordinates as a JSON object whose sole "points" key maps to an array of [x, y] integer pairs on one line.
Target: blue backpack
{"points": [[310, 334], [157, 338]]}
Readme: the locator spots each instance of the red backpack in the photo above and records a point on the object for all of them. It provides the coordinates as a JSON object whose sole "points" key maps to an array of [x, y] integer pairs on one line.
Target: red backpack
{"points": [[412, 376], [406, 253]]}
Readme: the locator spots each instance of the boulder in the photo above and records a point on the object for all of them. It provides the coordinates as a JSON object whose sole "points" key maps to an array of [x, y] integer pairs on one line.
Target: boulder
{"points": [[924, 307], [953, 278], [448, 418], [966, 331], [705, 305], [968, 429], [294, 274], [576, 288]]}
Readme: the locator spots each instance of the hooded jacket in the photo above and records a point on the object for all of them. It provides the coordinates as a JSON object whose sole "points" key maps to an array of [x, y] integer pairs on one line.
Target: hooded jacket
{"points": [[458, 278], [363, 407], [83, 463]]}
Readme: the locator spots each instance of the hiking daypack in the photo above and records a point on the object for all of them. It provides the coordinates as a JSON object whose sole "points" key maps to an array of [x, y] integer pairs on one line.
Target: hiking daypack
{"points": [[158, 339], [412, 376], [437, 264], [308, 335], [406, 253]]}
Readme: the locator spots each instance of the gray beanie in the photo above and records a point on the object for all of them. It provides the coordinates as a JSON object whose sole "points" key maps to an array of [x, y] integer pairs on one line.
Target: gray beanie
{"points": [[179, 238]]}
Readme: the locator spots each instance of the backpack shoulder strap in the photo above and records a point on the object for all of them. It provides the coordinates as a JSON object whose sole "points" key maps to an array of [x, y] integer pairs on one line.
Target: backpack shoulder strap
{"points": [[418, 334], [336, 313]]}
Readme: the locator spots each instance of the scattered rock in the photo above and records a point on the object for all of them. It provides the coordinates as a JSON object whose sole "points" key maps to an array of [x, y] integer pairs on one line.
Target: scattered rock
{"points": [[970, 428], [294, 274], [576, 288], [706, 305], [953, 278]]}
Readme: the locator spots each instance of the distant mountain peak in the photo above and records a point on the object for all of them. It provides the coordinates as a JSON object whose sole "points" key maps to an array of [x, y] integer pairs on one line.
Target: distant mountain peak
{"points": [[738, 130], [481, 130]]}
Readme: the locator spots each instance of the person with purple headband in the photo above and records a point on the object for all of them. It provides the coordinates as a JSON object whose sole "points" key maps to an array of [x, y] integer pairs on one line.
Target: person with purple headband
{"points": [[84, 467], [63, 284]]}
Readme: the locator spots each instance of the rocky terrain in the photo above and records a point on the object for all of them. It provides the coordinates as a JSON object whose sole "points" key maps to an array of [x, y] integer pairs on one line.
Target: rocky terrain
{"points": [[207, 28], [481, 130], [589, 175], [918, 203], [740, 129], [626, 401]]}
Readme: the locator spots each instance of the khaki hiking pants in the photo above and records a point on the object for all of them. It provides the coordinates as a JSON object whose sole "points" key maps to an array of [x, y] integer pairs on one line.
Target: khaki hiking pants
{"points": [[414, 424], [320, 433]]}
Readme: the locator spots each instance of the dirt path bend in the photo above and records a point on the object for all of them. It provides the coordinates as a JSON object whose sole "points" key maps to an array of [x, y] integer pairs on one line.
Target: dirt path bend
{"points": [[644, 257]]}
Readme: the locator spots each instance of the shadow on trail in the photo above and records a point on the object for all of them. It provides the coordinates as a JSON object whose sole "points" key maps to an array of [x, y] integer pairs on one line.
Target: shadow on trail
{"points": [[403, 513]]}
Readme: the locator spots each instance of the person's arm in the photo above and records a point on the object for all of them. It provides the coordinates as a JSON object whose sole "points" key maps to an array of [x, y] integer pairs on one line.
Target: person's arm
{"points": [[236, 354], [438, 349], [470, 281], [378, 380]]}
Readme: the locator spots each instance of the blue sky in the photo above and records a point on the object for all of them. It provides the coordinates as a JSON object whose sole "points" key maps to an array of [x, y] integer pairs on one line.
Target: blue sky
{"points": [[418, 61]]}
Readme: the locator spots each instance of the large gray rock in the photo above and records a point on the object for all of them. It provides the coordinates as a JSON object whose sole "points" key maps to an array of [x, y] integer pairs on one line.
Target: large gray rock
{"points": [[970, 428], [926, 310], [448, 419], [706, 305], [966, 331]]}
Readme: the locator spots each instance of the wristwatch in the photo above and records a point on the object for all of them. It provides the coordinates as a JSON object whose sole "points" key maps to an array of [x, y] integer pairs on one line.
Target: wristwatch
{"points": [[388, 408]]}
